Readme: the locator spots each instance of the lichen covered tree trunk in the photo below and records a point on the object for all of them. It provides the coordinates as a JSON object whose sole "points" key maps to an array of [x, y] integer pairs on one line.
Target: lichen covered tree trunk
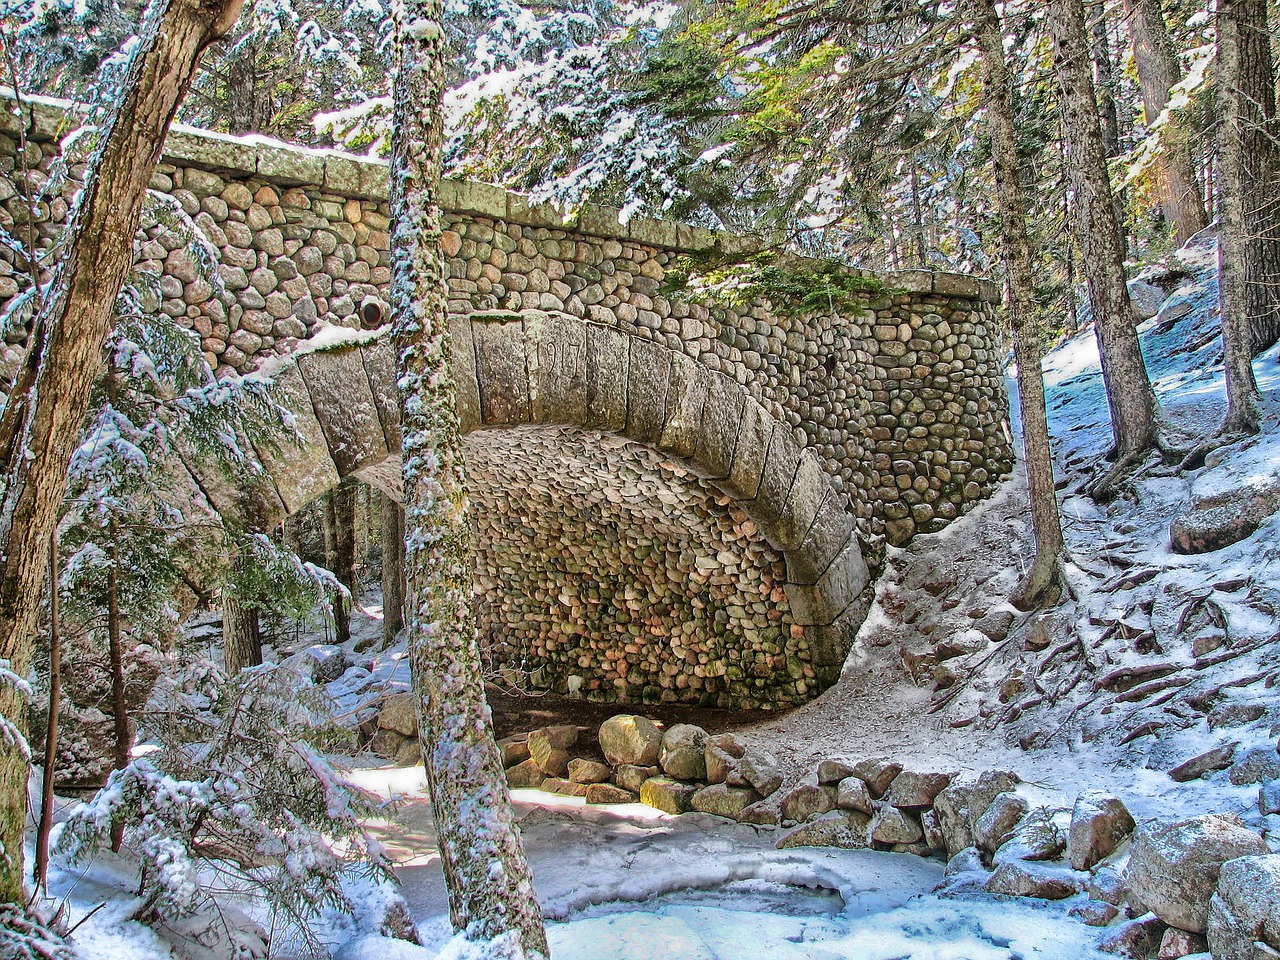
{"points": [[41, 426], [490, 891], [1240, 161], [1134, 413], [333, 554], [1043, 582], [392, 570], [1158, 71]]}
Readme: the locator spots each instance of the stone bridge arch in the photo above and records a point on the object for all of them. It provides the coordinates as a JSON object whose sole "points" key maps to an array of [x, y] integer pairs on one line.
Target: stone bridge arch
{"points": [[534, 368]]}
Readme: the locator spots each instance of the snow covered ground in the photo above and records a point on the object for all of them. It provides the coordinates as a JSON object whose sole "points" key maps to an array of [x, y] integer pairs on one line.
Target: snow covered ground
{"points": [[629, 882]]}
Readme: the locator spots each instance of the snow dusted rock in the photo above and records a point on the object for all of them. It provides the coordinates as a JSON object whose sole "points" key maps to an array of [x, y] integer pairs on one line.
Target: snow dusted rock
{"points": [[549, 747], [1018, 878], [400, 713], [1099, 824], [1211, 761], [386, 743], [1173, 867], [1221, 519], [1244, 913], [631, 777], [514, 749], [722, 755], [631, 740], [1106, 884], [1138, 938], [608, 793], [968, 860], [588, 771], [668, 795], [996, 825], [1094, 913], [1269, 798], [846, 829], [1036, 837], [1146, 299], [409, 754], [989, 785], [1255, 766], [878, 775], [952, 809], [808, 800], [723, 800], [760, 771], [1179, 943], [893, 826], [834, 770], [684, 752], [525, 775], [932, 831], [1235, 715], [915, 791], [763, 812], [853, 794]]}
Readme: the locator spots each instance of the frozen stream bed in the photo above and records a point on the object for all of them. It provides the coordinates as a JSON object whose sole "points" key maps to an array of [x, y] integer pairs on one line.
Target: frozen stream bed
{"points": [[627, 882]]}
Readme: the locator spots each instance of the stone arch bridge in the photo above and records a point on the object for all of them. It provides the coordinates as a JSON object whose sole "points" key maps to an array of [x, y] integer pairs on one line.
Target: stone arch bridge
{"points": [[677, 498]]}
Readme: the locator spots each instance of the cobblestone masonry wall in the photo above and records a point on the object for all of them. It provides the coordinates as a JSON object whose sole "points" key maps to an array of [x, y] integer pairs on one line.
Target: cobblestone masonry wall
{"points": [[903, 401]]}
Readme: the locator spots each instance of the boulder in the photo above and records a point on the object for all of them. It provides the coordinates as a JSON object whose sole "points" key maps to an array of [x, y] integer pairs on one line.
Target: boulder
{"points": [[631, 740], [1094, 913], [1173, 867], [722, 755], [1018, 878], [1201, 765], [514, 750], [989, 785], [1255, 766], [1099, 824], [1036, 837], [763, 812], [760, 771], [853, 794], [846, 829], [608, 793], [1106, 884], [1225, 517], [952, 809], [1138, 938], [400, 713], [834, 770], [668, 795], [1145, 299], [566, 788], [806, 801], [1244, 913], [1269, 798], [1179, 943], [525, 775], [683, 754], [630, 777], [549, 748], [932, 831], [387, 743], [968, 860], [891, 825], [915, 791], [723, 800], [588, 771], [410, 753], [878, 775], [996, 825]]}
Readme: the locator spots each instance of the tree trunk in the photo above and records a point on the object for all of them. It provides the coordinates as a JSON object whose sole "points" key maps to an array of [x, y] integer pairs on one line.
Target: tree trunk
{"points": [[1158, 71], [1105, 83], [332, 555], [1043, 583], [1240, 120], [392, 570], [1134, 413], [490, 891], [241, 631], [66, 350], [41, 873]]}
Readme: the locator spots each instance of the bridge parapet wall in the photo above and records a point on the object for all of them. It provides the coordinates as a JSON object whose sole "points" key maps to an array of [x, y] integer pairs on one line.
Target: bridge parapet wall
{"points": [[902, 400]]}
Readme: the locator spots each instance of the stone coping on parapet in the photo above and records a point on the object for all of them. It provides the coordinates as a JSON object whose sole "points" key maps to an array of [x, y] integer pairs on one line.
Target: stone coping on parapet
{"points": [[367, 178]]}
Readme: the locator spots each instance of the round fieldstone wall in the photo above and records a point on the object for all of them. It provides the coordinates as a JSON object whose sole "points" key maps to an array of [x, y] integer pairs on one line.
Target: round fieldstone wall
{"points": [[607, 570]]}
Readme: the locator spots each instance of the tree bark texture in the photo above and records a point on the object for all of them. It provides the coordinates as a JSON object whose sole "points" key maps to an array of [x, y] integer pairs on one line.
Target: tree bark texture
{"points": [[1043, 583], [241, 634], [392, 570], [490, 891], [65, 355], [1134, 413], [123, 740], [333, 560], [1105, 82], [41, 873], [1240, 118], [1158, 71]]}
